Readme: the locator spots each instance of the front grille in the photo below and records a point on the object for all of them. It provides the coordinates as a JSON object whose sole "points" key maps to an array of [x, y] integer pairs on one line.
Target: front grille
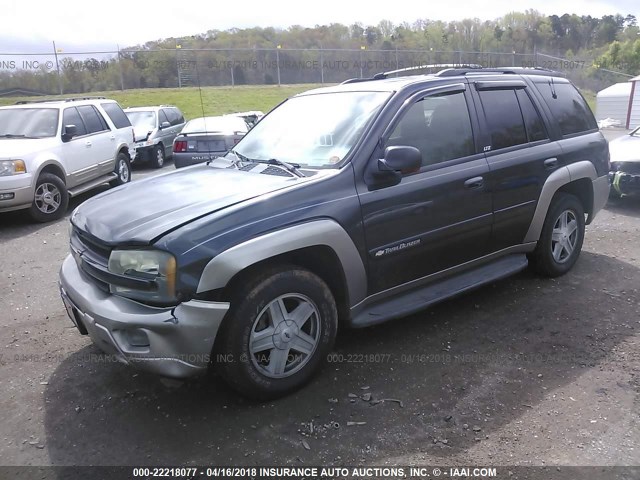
{"points": [[87, 250]]}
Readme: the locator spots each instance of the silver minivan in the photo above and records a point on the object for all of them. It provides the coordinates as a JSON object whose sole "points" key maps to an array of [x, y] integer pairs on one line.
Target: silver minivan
{"points": [[155, 129]]}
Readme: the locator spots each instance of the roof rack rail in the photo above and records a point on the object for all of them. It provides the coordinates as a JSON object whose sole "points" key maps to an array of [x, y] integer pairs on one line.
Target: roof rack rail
{"points": [[68, 99], [453, 72], [455, 69]]}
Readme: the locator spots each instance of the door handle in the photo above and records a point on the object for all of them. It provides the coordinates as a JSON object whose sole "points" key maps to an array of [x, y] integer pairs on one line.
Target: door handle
{"points": [[474, 183], [550, 163], [87, 144]]}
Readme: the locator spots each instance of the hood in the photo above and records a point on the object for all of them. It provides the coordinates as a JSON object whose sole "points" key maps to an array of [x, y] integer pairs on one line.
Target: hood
{"points": [[141, 132], [139, 212], [18, 148], [625, 149]]}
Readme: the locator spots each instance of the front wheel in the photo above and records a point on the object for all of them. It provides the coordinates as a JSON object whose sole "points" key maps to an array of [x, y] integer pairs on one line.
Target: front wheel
{"points": [[279, 329], [158, 157], [561, 238], [50, 199], [122, 170]]}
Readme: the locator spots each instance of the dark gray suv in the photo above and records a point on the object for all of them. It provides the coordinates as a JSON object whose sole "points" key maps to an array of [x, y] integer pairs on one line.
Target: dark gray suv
{"points": [[393, 194]]}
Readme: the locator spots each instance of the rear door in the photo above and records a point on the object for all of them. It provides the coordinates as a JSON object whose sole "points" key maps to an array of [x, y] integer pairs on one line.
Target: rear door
{"points": [[519, 153], [440, 216], [77, 152], [101, 138]]}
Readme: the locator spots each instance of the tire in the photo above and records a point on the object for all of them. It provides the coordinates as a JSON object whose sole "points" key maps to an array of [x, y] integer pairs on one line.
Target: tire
{"points": [[561, 239], [122, 170], [157, 157], [285, 353], [50, 199]]}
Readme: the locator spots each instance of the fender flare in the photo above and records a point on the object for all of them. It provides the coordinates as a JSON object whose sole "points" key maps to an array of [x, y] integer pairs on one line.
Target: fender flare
{"points": [[325, 232], [554, 182]]}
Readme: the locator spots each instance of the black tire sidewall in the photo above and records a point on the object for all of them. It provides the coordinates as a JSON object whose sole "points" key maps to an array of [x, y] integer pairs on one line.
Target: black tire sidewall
{"points": [[545, 262], [40, 216], [233, 341], [118, 181], [154, 157]]}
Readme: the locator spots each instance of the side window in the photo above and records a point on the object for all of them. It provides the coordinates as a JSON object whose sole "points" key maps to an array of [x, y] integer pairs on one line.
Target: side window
{"points": [[504, 119], [180, 117], [92, 119], [72, 117], [117, 116], [162, 117], [532, 121], [174, 116], [439, 126], [568, 107]]}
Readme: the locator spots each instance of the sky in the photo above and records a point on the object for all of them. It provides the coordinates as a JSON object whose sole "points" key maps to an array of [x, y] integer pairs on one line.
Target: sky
{"points": [[32, 25]]}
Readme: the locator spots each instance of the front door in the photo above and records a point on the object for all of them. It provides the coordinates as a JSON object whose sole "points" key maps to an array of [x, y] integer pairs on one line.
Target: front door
{"points": [[440, 216]]}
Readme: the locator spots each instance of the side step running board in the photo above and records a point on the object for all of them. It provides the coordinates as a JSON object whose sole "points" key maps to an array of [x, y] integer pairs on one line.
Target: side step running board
{"points": [[92, 184], [420, 298]]}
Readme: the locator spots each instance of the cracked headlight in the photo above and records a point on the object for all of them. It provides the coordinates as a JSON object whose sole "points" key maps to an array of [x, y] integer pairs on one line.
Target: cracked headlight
{"points": [[152, 274]]}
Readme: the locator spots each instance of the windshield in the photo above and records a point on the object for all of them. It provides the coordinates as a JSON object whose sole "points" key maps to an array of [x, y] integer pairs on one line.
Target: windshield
{"points": [[28, 122], [145, 119], [312, 130]]}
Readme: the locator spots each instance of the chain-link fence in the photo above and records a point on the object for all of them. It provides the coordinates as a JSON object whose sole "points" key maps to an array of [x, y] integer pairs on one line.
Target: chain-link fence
{"points": [[180, 67]]}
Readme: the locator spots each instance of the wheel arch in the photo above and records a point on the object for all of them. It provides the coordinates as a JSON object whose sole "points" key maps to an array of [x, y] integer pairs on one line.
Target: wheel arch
{"points": [[576, 179], [53, 167], [321, 246]]}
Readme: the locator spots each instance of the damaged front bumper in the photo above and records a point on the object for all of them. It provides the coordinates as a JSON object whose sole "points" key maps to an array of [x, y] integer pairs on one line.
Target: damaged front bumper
{"points": [[174, 342], [625, 182]]}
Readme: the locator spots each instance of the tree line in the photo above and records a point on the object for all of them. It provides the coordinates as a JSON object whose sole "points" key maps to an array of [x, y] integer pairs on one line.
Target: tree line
{"points": [[331, 53]]}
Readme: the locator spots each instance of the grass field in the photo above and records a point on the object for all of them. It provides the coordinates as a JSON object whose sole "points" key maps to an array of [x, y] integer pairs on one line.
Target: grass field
{"points": [[215, 100]]}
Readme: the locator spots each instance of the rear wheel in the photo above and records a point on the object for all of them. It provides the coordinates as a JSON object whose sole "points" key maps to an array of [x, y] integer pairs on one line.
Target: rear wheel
{"points": [[50, 200], [122, 170], [278, 331], [561, 238], [158, 157]]}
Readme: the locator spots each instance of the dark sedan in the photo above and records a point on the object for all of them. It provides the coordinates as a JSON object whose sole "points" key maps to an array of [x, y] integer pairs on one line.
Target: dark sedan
{"points": [[205, 138]]}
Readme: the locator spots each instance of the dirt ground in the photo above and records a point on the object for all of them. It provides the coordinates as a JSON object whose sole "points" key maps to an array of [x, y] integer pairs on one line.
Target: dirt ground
{"points": [[526, 371]]}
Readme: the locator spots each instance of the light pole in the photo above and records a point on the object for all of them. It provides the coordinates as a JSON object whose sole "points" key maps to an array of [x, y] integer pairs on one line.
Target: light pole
{"points": [[278, 61]]}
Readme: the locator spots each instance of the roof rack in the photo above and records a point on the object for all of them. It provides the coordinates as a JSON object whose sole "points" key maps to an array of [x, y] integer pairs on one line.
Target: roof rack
{"points": [[383, 75], [452, 72], [68, 99], [455, 69]]}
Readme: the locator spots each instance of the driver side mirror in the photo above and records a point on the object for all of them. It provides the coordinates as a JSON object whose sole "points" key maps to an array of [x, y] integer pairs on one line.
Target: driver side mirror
{"points": [[165, 125], [400, 159], [68, 132]]}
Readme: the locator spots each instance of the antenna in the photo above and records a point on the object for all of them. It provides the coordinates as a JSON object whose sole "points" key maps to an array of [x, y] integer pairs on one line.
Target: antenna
{"points": [[204, 118]]}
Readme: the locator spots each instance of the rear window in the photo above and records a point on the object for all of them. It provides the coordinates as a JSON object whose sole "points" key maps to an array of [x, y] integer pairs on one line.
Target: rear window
{"points": [[117, 116], [568, 107], [215, 124]]}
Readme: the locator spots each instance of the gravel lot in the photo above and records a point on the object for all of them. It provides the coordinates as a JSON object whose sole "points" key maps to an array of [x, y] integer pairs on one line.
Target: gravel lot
{"points": [[526, 371]]}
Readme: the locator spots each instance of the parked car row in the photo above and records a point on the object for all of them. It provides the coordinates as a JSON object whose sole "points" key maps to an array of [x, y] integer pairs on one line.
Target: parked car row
{"points": [[53, 150]]}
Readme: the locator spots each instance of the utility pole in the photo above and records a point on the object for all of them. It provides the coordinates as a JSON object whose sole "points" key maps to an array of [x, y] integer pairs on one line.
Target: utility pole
{"points": [[55, 53], [120, 68]]}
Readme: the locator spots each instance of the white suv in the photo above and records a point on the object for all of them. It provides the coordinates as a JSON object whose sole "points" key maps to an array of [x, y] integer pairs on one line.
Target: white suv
{"points": [[52, 150]]}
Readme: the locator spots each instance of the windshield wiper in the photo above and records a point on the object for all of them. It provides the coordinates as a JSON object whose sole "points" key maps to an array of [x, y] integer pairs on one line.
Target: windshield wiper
{"points": [[291, 167], [13, 135]]}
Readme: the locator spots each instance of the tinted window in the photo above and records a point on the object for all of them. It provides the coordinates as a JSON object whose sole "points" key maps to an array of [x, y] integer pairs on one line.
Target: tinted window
{"points": [[92, 120], [532, 120], [568, 107], [504, 119], [72, 117], [117, 116], [174, 116], [162, 117], [438, 126]]}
